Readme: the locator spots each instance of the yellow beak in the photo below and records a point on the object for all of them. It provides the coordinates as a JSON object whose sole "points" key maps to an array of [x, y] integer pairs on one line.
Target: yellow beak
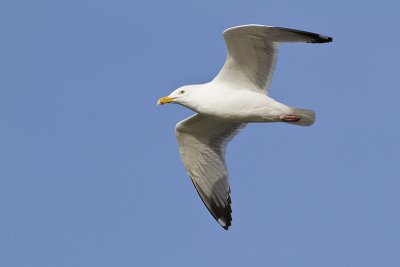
{"points": [[165, 100]]}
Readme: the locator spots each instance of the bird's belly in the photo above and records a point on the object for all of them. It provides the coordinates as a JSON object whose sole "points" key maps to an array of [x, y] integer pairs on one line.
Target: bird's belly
{"points": [[248, 116], [244, 110]]}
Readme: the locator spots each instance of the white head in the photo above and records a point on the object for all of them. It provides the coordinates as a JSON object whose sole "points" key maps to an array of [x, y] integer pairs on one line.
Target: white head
{"points": [[183, 95]]}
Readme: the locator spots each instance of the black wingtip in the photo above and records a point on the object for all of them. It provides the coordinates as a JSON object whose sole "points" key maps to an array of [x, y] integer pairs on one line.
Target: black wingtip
{"points": [[222, 215], [224, 224], [225, 218], [312, 37], [322, 39]]}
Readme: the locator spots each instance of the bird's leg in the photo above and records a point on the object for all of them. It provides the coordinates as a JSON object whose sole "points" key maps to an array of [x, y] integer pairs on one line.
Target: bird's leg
{"points": [[289, 118]]}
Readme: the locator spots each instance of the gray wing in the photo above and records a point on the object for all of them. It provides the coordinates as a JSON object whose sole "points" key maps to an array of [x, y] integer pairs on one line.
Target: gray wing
{"points": [[202, 144], [252, 52]]}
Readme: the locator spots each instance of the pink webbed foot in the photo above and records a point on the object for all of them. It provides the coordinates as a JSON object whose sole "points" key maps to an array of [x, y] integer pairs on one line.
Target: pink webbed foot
{"points": [[289, 118]]}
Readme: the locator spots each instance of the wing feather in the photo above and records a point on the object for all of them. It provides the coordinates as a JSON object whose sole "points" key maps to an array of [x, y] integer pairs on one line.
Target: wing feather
{"points": [[202, 144], [252, 52]]}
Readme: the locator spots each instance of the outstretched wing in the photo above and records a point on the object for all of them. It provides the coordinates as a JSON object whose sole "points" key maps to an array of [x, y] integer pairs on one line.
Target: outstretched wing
{"points": [[202, 144], [252, 53]]}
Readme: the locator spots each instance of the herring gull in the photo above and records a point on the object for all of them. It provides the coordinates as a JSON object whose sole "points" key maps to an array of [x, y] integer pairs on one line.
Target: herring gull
{"points": [[236, 96]]}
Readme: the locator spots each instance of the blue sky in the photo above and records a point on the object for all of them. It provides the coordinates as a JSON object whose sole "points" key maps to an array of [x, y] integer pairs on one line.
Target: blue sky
{"points": [[90, 173]]}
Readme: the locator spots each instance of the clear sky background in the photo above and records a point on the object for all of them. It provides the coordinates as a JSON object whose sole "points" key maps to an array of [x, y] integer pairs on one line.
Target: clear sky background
{"points": [[90, 173]]}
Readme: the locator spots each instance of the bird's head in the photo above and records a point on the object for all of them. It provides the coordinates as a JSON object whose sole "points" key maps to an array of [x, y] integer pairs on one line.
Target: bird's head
{"points": [[182, 96]]}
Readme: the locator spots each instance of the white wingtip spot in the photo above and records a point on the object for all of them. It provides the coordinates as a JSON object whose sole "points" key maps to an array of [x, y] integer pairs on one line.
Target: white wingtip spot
{"points": [[221, 222]]}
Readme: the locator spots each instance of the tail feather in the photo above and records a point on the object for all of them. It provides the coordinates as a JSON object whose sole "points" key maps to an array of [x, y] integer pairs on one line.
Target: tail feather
{"points": [[307, 117]]}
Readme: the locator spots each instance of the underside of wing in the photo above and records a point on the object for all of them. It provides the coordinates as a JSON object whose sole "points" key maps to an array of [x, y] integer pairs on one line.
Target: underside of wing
{"points": [[202, 144], [252, 52]]}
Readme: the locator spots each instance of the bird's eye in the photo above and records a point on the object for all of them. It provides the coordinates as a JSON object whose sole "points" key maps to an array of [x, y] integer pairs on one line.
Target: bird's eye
{"points": [[182, 92]]}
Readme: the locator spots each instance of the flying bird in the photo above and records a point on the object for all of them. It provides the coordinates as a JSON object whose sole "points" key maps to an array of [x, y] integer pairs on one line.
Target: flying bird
{"points": [[236, 96]]}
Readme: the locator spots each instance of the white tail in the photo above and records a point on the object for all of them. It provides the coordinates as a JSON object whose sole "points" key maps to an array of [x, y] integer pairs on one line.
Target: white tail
{"points": [[307, 117]]}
